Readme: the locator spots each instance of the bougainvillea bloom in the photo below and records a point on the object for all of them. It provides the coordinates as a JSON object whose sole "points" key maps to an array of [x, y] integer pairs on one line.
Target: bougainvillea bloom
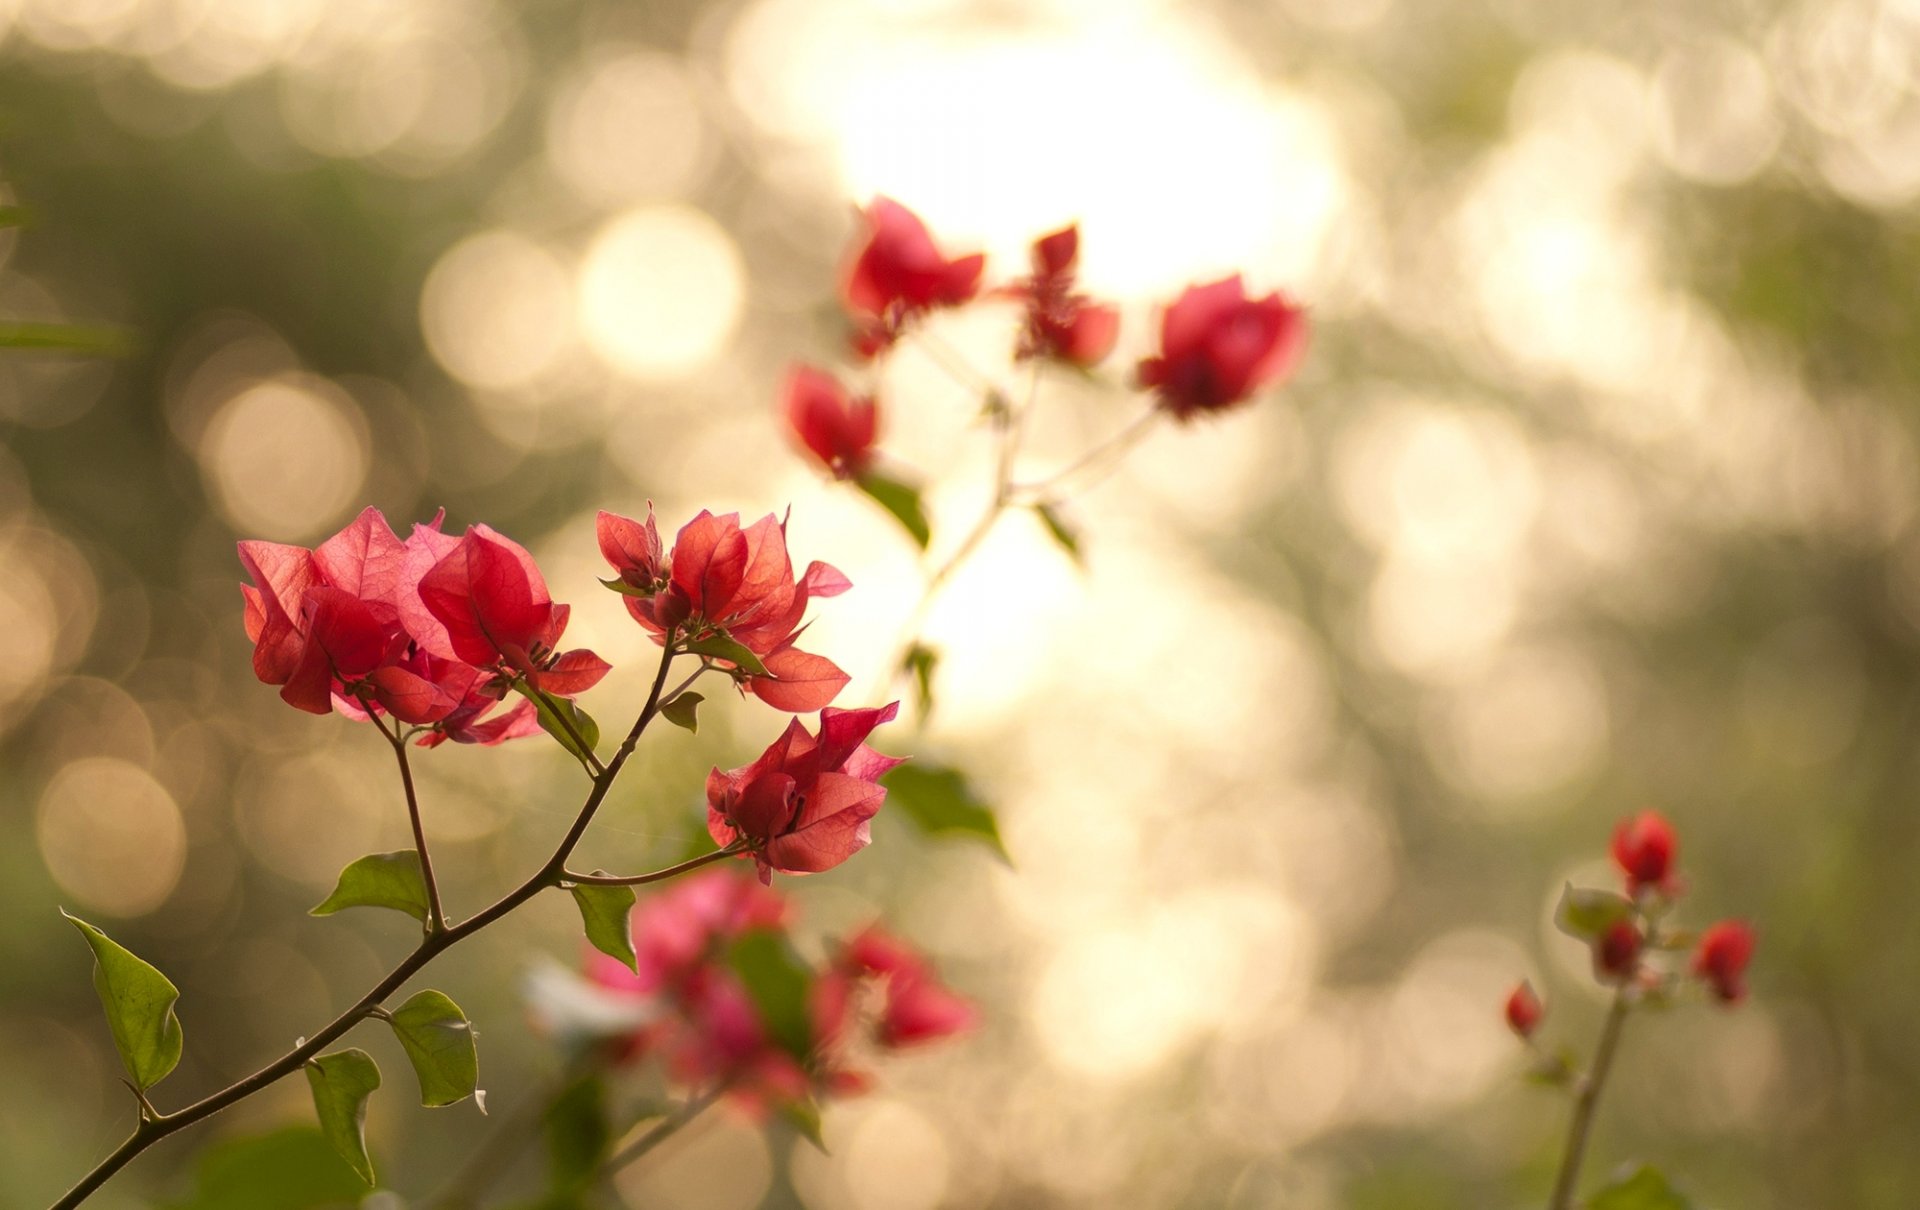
{"points": [[916, 1006], [1721, 960], [1643, 848], [837, 429], [804, 805], [721, 579], [1616, 952], [493, 604], [1524, 1010], [1059, 323], [896, 273], [1217, 347]]}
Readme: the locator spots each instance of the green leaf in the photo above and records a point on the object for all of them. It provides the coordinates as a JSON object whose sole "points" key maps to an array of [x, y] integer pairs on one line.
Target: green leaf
{"points": [[578, 1134], [940, 803], [779, 985], [606, 912], [682, 711], [439, 1043], [388, 880], [290, 1169], [1644, 1189], [902, 500], [1061, 532], [1587, 913], [920, 661], [629, 590], [342, 1082], [65, 338], [551, 710], [723, 647], [139, 1003], [804, 1117]]}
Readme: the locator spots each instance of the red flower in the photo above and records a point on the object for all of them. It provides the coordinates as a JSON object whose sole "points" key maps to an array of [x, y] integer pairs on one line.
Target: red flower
{"points": [[1616, 952], [1217, 347], [804, 805], [1061, 324], [723, 580], [1524, 1010], [836, 429], [1643, 848], [898, 273], [917, 1007], [1725, 949], [493, 605]]}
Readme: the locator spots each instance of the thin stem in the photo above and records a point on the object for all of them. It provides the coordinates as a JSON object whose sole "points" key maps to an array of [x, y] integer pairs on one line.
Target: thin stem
{"points": [[705, 667], [592, 760], [692, 863], [436, 918], [949, 359], [152, 1130], [1109, 450], [665, 1129], [1588, 1100]]}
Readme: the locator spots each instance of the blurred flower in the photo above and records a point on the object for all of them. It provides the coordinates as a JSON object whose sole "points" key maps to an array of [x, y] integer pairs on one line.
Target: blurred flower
{"points": [[1524, 1010], [1721, 960], [723, 581], [1061, 324], [897, 273], [836, 429], [1217, 347], [916, 1007], [804, 805], [1643, 848], [493, 602], [1616, 952]]}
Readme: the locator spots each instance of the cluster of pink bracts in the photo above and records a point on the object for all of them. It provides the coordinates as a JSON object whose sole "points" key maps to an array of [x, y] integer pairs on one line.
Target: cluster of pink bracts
{"points": [[691, 1012], [1644, 849], [1217, 345]]}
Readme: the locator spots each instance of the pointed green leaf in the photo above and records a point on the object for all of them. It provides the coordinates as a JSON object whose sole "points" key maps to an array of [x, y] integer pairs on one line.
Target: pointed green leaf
{"points": [[439, 1043], [900, 499], [579, 1134], [563, 720], [289, 1169], [1586, 913], [779, 985], [139, 1003], [64, 338], [723, 647], [606, 912], [804, 1117], [1644, 1189], [388, 880], [629, 590], [920, 661], [1061, 532], [682, 711], [940, 802], [342, 1082]]}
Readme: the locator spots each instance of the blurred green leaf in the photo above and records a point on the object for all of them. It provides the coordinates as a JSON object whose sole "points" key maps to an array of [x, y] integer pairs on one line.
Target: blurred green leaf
{"points": [[683, 711], [921, 661], [940, 802], [1586, 913], [291, 1169], [1644, 1189], [15, 216], [388, 880], [779, 984], [804, 1117], [722, 647], [92, 340], [139, 1002], [902, 500], [342, 1082], [606, 912], [439, 1042], [578, 1134], [1061, 532]]}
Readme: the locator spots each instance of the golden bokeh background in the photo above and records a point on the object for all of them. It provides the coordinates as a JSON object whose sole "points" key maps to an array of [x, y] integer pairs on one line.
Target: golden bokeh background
{"points": [[1597, 491]]}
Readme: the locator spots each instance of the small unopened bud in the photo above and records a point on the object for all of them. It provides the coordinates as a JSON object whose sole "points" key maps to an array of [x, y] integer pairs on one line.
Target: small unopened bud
{"points": [[1643, 848], [1524, 1010], [1725, 949], [1616, 954]]}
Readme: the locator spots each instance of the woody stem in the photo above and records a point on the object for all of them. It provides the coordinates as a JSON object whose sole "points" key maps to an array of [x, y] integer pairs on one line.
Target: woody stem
{"points": [[1588, 1100]]}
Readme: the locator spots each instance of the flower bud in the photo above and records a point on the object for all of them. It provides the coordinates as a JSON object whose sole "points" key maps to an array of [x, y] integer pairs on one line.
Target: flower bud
{"points": [[1643, 848], [1524, 1010], [1616, 953], [1721, 960]]}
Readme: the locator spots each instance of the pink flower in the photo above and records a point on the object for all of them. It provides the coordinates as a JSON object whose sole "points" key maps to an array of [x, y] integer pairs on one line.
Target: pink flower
{"points": [[1721, 960], [1217, 347], [1616, 952], [897, 273], [1060, 324], [804, 805], [836, 429], [917, 1007], [721, 580], [493, 605], [1524, 1010], [1643, 848]]}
